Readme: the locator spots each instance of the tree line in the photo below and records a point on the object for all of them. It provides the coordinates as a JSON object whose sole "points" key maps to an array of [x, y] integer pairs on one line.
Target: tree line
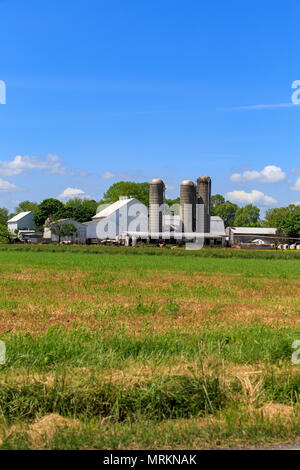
{"points": [[285, 219]]}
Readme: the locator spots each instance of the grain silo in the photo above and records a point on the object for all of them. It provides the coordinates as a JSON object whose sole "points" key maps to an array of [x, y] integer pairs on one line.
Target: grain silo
{"points": [[187, 206], [156, 200], [203, 197]]}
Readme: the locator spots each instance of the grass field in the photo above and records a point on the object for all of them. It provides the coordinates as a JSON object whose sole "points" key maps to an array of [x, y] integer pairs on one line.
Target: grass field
{"points": [[148, 348]]}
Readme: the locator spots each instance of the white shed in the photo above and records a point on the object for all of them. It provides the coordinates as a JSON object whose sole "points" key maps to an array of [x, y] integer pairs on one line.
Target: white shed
{"points": [[24, 220]]}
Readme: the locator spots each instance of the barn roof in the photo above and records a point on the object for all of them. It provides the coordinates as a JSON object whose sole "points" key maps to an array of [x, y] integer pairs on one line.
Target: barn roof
{"points": [[19, 216], [253, 230], [114, 207]]}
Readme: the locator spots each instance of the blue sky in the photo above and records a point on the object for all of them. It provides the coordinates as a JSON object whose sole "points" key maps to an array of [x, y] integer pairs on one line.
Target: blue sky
{"points": [[100, 91]]}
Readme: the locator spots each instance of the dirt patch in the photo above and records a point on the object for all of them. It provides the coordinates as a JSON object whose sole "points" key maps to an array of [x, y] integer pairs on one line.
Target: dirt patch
{"points": [[277, 410], [45, 428]]}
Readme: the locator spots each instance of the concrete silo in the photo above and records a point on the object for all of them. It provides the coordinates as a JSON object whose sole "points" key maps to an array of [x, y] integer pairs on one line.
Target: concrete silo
{"points": [[187, 205], [156, 200], [203, 197]]}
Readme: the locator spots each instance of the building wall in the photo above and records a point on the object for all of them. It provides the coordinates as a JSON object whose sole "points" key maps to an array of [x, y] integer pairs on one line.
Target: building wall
{"points": [[78, 237], [12, 226], [237, 238], [247, 239], [122, 220], [25, 222]]}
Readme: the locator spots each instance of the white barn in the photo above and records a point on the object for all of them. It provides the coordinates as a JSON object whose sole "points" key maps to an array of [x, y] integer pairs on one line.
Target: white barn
{"points": [[118, 218], [24, 220]]}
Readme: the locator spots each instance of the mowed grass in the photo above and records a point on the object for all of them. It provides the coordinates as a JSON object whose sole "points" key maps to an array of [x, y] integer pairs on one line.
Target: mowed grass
{"points": [[112, 348]]}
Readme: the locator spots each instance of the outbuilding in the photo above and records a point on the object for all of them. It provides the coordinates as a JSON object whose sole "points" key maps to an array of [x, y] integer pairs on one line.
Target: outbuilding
{"points": [[23, 220], [53, 232], [238, 235]]}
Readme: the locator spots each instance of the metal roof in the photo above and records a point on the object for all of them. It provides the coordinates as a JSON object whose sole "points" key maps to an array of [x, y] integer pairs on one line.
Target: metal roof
{"points": [[19, 216], [253, 231], [114, 207]]}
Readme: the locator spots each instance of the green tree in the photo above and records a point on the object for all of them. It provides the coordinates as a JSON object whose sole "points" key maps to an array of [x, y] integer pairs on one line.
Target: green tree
{"points": [[171, 202], [3, 216], [62, 229], [216, 201], [5, 235], [247, 216], [139, 191], [26, 206], [274, 217], [227, 211], [48, 208], [81, 210], [290, 225]]}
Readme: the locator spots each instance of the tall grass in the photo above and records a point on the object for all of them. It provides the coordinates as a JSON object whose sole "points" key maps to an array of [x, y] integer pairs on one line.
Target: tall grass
{"points": [[272, 265], [80, 348], [153, 251], [170, 398]]}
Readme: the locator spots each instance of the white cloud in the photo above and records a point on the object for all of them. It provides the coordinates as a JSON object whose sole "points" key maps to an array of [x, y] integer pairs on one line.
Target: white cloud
{"points": [[296, 186], [261, 106], [254, 197], [108, 175], [51, 165], [245, 176], [69, 193], [296, 203], [5, 186], [270, 174]]}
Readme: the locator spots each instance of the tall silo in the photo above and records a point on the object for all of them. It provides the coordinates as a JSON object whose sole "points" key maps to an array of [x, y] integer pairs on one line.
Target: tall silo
{"points": [[187, 205], [156, 200], [203, 197]]}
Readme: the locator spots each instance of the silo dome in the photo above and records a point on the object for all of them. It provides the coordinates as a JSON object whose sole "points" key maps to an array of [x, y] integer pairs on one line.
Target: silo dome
{"points": [[157, 181], [187, 183]]}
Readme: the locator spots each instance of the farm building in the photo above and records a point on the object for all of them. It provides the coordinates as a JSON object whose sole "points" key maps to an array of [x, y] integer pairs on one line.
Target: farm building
{"points": [[117, 218], [238, 235], [124, 218], [217, 226], [30, 236], [24, 220], [54, 232], [216, 235]]}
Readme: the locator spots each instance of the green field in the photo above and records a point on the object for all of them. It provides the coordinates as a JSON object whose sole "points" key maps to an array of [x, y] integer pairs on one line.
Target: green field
{"points": [[148, 348]]}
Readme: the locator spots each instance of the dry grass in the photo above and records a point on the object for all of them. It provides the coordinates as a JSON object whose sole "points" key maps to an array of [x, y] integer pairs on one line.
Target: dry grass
{"points": [[34, 299], [43, 429]]}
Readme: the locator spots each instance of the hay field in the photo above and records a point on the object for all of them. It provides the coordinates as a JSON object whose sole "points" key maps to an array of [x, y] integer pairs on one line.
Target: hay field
{"points": [[148, 348]]}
